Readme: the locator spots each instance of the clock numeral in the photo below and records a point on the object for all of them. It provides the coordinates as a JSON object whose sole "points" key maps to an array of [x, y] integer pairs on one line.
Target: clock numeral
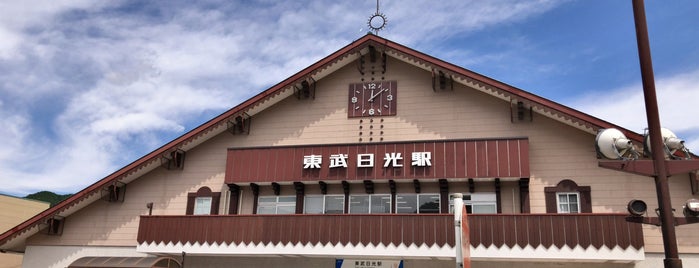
{"points": [[389, 97], [354, 99], [372, 111]]}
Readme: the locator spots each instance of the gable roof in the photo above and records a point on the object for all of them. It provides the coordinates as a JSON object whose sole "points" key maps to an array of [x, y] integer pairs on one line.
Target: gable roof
{"points": [[14, 238]]}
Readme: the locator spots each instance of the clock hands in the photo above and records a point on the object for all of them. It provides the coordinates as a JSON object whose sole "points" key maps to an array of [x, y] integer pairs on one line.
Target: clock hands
{"points": [[371, 98]]}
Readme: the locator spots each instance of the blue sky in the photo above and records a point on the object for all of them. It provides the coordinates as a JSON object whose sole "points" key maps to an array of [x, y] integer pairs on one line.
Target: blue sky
{"points": [[88, 86]]}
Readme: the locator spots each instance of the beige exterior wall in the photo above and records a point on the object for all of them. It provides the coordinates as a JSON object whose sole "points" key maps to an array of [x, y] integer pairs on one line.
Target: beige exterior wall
{"points": [[14, 211], [557, 152]]}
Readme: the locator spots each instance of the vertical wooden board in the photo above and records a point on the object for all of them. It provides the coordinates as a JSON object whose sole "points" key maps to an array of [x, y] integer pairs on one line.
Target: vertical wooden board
{"points": [[597, 237], [636, 232], [367, 228], [459, 156], [242, 159], [503, 158], [397, 230], [384, 235], [510, 230], [428, 229], [610, 235], [290, 229], [498, 231], [475, 226], [481, 159], [376, 229], [534, 228], [298, 166], [570, 225], [408, 231], [214, 233], [584, 231], [355, 230], [450, 232], [492, 164], [547, 231], [440, 231], [224, 233], [252, 165], [623, 234], [524, 158], [352, 170], [263, 158], [439, 161], [470, 159], [559, 230], [522, 227], [514, 160], [345, 230], [244, 237], [230, 171], [419, 232]]}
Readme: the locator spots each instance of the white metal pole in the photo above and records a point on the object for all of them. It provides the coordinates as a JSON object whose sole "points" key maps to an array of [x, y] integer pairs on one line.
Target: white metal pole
{"points": [[458, 208]]}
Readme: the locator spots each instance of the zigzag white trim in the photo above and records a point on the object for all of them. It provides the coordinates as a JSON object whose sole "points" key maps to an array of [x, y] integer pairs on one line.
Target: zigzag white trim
{"points": [[541, 253]]}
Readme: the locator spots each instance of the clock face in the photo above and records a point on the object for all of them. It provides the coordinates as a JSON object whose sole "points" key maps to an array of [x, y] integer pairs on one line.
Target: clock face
{"points": [[372, 99]]}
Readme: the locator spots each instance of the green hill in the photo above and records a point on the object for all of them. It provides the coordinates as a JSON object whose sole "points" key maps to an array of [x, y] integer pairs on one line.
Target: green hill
{"points": [[47, 196]]}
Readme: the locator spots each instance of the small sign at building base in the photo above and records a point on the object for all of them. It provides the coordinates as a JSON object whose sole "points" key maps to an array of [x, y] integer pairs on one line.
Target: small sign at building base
{"points": [[364, 263]]}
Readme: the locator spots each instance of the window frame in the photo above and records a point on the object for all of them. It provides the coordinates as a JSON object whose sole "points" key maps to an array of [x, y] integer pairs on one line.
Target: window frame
{"points": [[324, 206], [584, 198], [204, 191], [483, 199], [568, 203], [369, 196], [277, 204], [202, 210], [417, 202]]}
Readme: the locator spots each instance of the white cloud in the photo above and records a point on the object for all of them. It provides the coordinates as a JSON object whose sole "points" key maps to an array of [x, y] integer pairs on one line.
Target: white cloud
{"points": [[427, 21], [99, 85], [625, 106]]}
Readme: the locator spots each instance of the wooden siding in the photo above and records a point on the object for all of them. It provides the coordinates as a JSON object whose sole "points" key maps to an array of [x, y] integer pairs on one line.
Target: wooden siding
{"points": [[545, 230], [484, 158]]}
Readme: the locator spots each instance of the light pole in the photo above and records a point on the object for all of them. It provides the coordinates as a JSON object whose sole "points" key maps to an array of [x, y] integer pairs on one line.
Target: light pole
{"points": [[667, 219]]}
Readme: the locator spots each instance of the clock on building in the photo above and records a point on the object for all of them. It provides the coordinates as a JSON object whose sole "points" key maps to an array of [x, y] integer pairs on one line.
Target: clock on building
{"points": [[376, 98]]}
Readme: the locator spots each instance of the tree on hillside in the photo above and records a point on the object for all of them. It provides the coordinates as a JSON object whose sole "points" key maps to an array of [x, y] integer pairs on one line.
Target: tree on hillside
{"points": [[47, 196]]}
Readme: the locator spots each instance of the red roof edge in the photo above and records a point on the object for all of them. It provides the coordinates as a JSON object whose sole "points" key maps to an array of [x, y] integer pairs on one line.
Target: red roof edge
{"points": [[221, 119]]}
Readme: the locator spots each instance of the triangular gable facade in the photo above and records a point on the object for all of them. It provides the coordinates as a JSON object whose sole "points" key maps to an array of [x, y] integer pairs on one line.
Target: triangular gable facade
{"points": [[432, 104]]}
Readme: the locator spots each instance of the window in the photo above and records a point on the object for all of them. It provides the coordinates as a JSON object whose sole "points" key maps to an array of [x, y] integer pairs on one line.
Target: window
{"points": [[324, 204], [276, 205], [568, 197], [375, 203], [202, 205], [477, 203], [568, 202], [203, 202], [417, 203]]}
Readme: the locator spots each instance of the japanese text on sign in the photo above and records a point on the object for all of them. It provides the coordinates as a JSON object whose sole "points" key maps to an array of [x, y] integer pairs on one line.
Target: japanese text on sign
{"points": [[418, 159]]}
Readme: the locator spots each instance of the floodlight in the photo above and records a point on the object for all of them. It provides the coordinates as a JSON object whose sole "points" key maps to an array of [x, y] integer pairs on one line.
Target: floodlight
{"points": [[637, 207], [671, 143], [612, 144], [691, 208]]}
